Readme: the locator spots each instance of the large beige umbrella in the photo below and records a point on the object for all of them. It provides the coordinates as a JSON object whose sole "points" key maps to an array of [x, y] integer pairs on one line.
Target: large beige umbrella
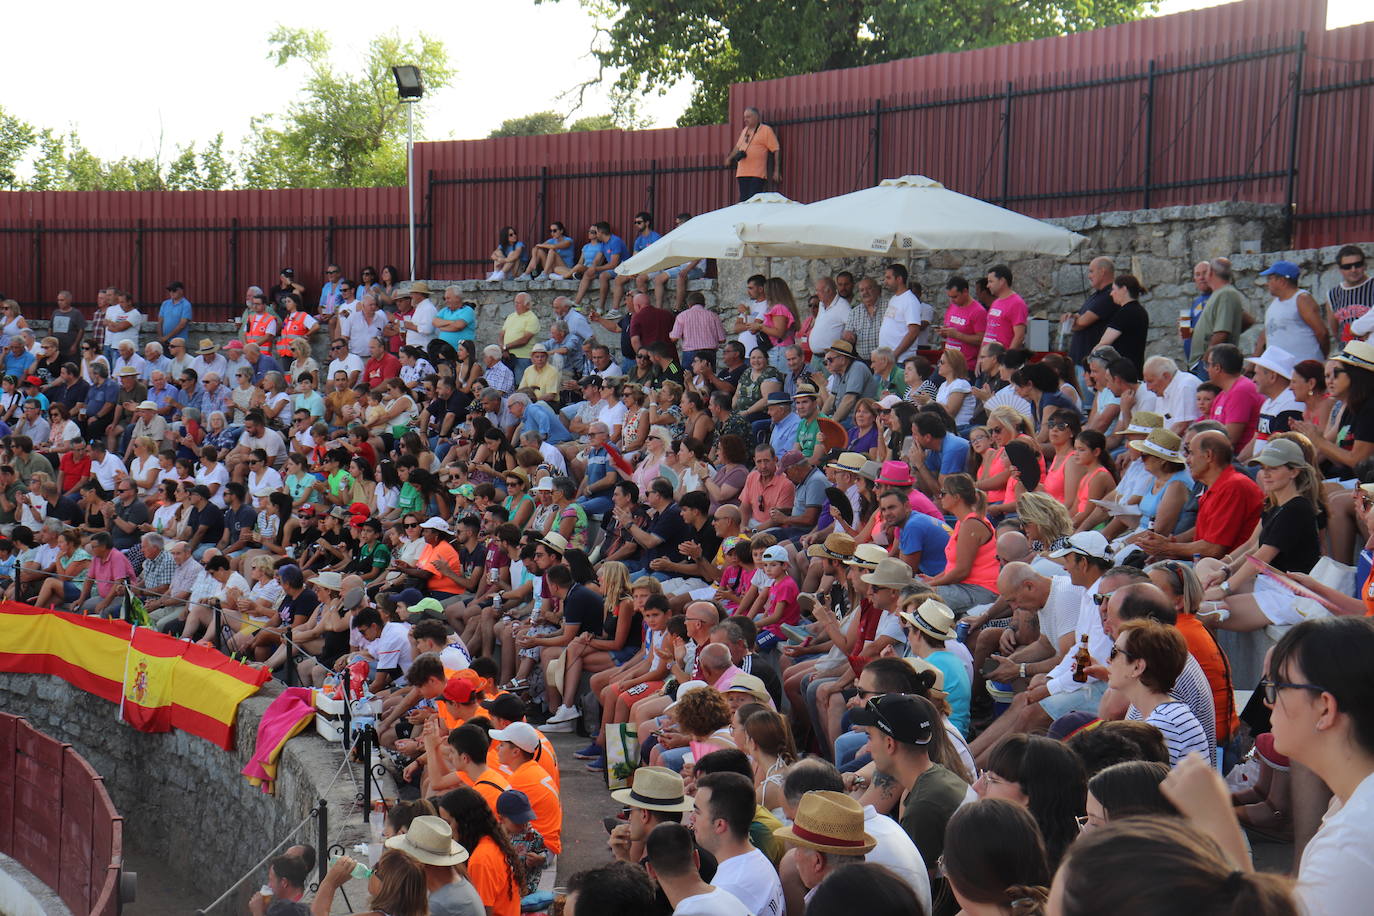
{"points": [[897, 218], [710, 235]]}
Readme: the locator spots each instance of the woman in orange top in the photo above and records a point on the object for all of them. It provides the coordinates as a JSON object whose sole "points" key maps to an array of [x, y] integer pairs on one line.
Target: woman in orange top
{"points": [[1099, 476], [494, 867], [971, 569]]}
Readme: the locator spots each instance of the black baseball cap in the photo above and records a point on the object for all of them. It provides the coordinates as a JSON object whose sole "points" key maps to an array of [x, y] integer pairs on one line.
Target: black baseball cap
{"points": [[507, 706], [175, 285], [903, 718]]}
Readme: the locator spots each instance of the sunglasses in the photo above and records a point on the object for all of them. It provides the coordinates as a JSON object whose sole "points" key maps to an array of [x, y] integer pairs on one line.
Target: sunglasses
{"points": [[1352, 265], [1117, 650]]}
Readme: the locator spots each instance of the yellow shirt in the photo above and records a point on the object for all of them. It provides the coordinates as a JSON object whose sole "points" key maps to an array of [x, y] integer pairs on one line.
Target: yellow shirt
{"points": [[545, 382], [517, 326]]}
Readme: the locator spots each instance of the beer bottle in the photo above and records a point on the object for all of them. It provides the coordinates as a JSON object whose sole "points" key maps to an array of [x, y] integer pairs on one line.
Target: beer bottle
{"points": [[1081, 659]]}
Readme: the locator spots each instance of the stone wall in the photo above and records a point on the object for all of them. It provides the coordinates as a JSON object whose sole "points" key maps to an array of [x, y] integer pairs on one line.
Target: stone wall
{"points": [[1159, 246], [183, 799]]}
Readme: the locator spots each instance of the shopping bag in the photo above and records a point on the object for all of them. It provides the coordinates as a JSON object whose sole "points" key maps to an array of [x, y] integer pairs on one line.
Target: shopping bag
{"points": [[622, 754]]}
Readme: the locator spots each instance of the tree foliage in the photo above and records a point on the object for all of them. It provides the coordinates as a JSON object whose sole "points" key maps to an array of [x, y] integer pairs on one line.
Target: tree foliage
{"points": [[347, 129], [550, 122], [719, 42]]}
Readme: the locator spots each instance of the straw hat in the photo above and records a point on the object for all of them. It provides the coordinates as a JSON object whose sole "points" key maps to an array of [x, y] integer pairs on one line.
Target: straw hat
{"points": [[853, 462], [429, 839], [1162, 443], [754, 686], [328, 579], [655, 789], [207, 346], [932, 618], [1142, 421], [837, 546], [868, 556], [845, 348], [828, 822], [146, 405], [1357, 353], [419, 288], [890, 573]]}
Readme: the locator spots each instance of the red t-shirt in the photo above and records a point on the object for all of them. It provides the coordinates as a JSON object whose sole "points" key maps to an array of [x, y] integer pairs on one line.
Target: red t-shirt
{"points": [[653, 325], [377, 371], [73, 471], [1239, 404], [1229, 509], [1003, 318]]}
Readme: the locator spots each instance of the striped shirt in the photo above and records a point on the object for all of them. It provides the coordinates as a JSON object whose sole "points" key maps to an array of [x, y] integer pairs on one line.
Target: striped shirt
{"points": [[1348, 304], [1193, 690], [1182, 732], [865, 328], [698, 328]]}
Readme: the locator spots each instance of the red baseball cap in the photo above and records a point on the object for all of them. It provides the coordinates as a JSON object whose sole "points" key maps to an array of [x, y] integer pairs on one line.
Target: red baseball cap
{"points": [[459, 690]]}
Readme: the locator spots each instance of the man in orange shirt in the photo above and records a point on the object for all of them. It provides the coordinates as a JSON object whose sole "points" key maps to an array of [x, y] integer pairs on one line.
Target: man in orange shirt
{"points": [[468, 746], [519, 744], [508, 708], [757, 144]]}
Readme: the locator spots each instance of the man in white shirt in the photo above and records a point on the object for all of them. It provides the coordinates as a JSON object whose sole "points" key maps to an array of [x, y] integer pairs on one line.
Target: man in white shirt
{"points": [[1168, 392], [419, 325], [751, 311], [106, 466], [830, 318], [342, 360], [363, 324], [387, 643], [906, 317], [673, 862], [122, 320], [827, 834], [724, 808]]}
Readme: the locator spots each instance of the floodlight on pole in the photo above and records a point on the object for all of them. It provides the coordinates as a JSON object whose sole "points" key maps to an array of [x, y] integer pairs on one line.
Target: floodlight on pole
{"points": [[410, 88]]}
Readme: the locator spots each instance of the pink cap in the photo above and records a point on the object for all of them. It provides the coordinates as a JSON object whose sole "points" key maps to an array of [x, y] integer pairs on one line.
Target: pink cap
{"points": [[234, 345], [896, 474]]}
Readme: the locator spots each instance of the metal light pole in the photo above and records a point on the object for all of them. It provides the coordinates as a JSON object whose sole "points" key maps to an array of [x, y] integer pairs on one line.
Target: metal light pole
{"points": [[411, 89]]}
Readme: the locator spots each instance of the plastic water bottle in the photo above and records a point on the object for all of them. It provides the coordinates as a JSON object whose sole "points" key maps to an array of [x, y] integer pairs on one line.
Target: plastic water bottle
{"points": [[376, 819]]}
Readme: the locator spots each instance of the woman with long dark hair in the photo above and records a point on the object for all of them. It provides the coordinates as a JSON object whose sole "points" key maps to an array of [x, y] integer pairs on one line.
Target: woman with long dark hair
{"points": [[508, 254], [1097, 470], [1127, 789], [994, 859], [1044, 776], [494, 867], [896, 425], [1061, 429]]}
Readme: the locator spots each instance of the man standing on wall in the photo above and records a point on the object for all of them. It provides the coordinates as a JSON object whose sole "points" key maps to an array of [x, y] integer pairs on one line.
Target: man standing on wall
{"points": [[756, 156]]}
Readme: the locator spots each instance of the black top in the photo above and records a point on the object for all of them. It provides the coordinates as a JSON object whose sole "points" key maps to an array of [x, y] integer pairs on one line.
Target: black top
{"points": [[212, 517], [669, 526], [1134, 324], [1083, 342], [299, 608], [1292, 528], [584, 607]]}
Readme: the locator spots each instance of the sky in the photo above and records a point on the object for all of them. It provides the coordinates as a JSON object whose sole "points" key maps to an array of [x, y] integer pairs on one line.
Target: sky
{"points": [[137, 78]]}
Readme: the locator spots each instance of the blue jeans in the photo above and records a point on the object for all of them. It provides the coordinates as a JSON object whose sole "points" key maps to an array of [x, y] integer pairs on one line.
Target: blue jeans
{"points": [[595, 506], [847, 746], [521, 364]]}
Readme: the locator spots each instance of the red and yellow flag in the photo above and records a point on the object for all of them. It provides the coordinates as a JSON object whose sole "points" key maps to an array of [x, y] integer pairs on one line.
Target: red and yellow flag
{"points": [[160, 682]]}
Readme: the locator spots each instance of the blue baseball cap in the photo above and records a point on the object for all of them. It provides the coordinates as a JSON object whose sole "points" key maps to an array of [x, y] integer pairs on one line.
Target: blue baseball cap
{"points": [[1283, 269], [779, 397], [514, 805]]}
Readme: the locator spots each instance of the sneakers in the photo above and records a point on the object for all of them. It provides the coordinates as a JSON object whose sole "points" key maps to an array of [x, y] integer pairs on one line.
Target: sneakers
{"points": [[564, 714], [552, 727], [597, 766], [612, 315], [590, 752]]}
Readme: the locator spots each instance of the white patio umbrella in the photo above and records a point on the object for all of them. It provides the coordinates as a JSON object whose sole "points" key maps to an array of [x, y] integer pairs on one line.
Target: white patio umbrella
{"points": [[897, 218], [709, 235]]}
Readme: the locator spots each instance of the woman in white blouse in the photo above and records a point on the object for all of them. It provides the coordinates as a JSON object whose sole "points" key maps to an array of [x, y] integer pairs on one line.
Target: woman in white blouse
{"points": [[145, 467], [955, 392]]}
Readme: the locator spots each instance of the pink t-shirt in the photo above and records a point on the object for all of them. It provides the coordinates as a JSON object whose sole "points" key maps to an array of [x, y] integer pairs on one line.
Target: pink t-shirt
{"points": [[788, 322], [1003, 318], [966, 319], [1239, 404], [783, 592]]}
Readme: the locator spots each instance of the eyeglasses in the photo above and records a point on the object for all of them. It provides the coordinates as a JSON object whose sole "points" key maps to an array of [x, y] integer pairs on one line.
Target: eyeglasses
{"points": [[865, 695], [1352, 265], [1271, 689], [1117, 650], [1101, 598], [1058, 424], [412, 524]]}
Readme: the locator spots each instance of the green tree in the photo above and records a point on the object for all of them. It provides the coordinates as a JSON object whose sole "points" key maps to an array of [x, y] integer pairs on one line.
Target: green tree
{"points": [[541, 122], [347, 129], [16, 139], [719, 42], [594, 122]]}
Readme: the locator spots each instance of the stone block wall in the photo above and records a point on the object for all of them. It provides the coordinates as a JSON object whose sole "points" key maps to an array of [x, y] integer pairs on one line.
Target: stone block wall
{"points": [[183, 799]]}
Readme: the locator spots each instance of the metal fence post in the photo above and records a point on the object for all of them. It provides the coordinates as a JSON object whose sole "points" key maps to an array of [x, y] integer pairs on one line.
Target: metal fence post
{"points": [[138, 262], [429, 222], [322, 840], [1006, 144], [329, 240], [1149, 131], [877, 141], [543, 197], [233, 257], [37, 261], [1290, 192], [653, 185]]}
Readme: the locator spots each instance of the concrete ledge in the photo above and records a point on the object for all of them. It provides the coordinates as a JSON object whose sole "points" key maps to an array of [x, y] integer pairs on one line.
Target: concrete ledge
{"points": [[183, 799]]}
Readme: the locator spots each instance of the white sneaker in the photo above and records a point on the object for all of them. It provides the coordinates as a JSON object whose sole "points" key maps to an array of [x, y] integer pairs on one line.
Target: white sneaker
{"points": [[564, 714], [558, 727]]}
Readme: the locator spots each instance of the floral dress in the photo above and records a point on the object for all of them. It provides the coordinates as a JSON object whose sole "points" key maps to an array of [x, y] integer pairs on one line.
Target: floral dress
{"points": [[750, 385]]}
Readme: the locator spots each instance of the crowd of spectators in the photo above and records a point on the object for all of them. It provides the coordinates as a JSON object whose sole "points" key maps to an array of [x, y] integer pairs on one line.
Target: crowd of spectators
{"points": [[857, 602]]}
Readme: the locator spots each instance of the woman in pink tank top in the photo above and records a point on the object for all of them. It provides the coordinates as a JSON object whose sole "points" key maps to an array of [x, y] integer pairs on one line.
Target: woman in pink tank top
{"points": [[970, 575], [1063, 474], [1099, 477]]}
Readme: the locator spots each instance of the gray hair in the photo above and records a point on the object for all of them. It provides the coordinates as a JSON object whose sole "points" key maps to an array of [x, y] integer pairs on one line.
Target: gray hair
{"points": [[522, 297], [1161, 364], [174, 546], [516, 398], [886, 353], [191, 413], [1104, 355], [368, 297], [255, 290], [491, 350], [152, 539], [53, 526], [455, 289], [216, 413], [210, 375], [275, 379], [125, 343], [562, 301], [598, 427], [533, 435], [559, 325], [154, 346], [795, 349]]}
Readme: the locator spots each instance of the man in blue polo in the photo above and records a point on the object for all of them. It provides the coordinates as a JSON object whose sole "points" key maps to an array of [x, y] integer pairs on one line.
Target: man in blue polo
{"points": [[537, 417], [921, 539], [645, 235], [174, 316], [784, 422], [936, 452]]}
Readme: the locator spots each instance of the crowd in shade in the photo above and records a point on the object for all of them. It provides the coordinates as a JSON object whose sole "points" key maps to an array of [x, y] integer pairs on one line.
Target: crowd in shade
{"points": [[858, 604]]}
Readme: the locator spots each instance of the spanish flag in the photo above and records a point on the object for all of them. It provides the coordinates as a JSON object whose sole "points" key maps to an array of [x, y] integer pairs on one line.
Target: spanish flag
{"points": [[159, 682]]}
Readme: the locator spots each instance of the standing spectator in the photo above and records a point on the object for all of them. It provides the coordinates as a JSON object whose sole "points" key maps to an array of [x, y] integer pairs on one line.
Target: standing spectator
{"points": [[966, 321], [518, 333], [756, 158], [650, 325], [122, 321], [1223, 318], [1293, 319], [68, 326], [1008, 314], [286, 286], [1352, 300], [1202, 279], [832, 314], [906, 317], [864, 324], [174, 315], [1129, 325], [260, 325], [698, 329], [1097, 310], [297, 325], [95, 330], [419, 324], [330, 293]]}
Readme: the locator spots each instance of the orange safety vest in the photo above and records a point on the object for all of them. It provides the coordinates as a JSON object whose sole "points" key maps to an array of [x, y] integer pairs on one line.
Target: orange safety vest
{"points": [[291, 329], [258, 325]]}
